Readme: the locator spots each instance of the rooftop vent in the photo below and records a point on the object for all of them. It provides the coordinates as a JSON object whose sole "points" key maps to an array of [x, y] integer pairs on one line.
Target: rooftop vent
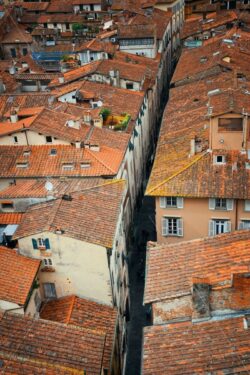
{"points": [[67, 197], [203, 59], [73, 124]]}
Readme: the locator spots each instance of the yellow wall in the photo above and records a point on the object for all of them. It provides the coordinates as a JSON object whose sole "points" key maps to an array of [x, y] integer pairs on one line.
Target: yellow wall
{"points": [[80, 268]]}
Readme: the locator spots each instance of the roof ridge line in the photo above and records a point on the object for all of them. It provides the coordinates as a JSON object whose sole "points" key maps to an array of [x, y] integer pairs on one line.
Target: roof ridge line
{"points": [[71, 308], [176, 173]]}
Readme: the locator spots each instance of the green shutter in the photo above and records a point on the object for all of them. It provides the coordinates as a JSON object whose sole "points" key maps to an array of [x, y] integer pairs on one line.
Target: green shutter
{"points": [[34, 242], [46, 242]]}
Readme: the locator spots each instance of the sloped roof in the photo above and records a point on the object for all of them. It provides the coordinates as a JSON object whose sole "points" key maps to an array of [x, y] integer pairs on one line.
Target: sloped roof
{"points": [[100, 205], [214, 347], [87, 314], [10, 218], [62, 349], [171, 268], [17, 274]]}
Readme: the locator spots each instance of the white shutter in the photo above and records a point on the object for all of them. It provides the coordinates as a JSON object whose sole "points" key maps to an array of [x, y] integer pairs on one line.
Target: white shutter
{"points": [[162, 202], [211, 228], [230, 204], [211, 203], [180, 227], [227, 226], [164, 223], [247, 205], [179, 202], [241, 225]]}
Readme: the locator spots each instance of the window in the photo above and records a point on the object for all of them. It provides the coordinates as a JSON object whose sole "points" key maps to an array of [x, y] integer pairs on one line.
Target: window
{"points": [[67, 26], [68, 167], [53, 151], [172, 226], [218, 226], [247, 205], [168, 202], [48, 139], [49, 290], [25, 51], [13, 52], [221, 204], [22, 165], [85, 165], [129, 86], [7, 205], [41, 243], [47, 262], [244, 224], [219, 159], [230, 125], [15, 139]]}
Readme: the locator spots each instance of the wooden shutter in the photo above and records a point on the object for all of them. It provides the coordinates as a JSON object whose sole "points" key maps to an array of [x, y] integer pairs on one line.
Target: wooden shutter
{"points": [[211, 203], [46, 243], [34, 243], [228, 226], [179, 202], [162, 202], [230, 204], [164, 223], [211, 228], [180, 227], [247, 205]]}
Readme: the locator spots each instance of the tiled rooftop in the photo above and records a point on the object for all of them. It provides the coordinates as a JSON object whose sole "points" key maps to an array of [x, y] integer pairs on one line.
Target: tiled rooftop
{"points": [[171, 268], [95, 226], [215, 347], [17, 274], [87, 314], [30, 345], [7, 218]]}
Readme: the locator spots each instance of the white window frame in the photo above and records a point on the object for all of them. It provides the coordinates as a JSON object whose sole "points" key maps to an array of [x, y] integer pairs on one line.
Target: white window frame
{"points": [[242, 224], [219, 162], [229, 204], [40, 242], [164, 204], [47, 262], [212, 226], [166, 225], [247, 205]]}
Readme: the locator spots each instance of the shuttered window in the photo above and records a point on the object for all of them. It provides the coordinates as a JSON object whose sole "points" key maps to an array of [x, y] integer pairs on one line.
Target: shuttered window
{"points": [[219, 226], [221, 204], [168, 202], [172, 226]]}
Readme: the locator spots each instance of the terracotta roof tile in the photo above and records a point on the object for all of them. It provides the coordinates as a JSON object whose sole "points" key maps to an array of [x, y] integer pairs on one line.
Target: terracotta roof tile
{"points": [[62, 348], [41, 163], [94, 227], [17, 274], [217, 347], [10, 218], [87, 314], [171, 268]]}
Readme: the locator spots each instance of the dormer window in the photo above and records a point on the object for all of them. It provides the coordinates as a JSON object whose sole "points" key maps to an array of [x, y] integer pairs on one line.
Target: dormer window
{"points": [[68, 166], [219, 159], [26, 153], [22, 165], [85, 164]]}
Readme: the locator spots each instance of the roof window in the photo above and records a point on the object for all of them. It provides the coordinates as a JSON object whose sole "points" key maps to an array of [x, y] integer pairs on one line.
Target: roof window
{"points": [[68, 166], [53, 151], [203, 59], [21, 164]]}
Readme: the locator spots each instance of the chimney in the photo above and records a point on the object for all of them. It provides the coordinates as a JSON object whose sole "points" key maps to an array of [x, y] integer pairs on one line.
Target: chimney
{"points": [[13, 116], [78, 144], [200, 299]]}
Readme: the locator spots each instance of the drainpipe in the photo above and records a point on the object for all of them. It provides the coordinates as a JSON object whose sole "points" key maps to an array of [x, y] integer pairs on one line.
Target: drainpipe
{"points": [[236, 213]]}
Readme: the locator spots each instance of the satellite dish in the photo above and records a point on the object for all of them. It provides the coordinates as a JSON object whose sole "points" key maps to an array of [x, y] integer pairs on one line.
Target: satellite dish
{"points": [[48, 186]]}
